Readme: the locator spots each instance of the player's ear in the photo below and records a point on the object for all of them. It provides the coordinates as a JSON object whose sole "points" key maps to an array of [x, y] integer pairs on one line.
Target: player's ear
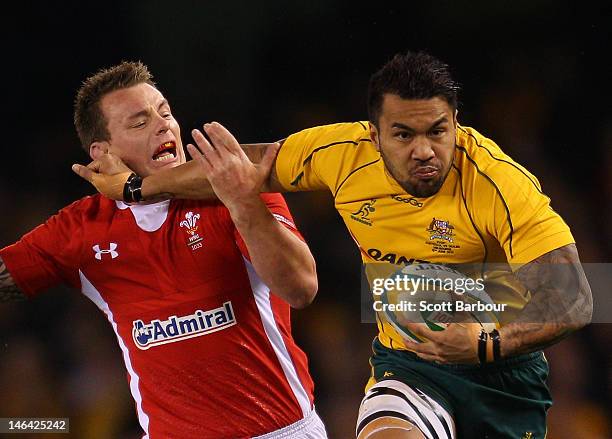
{"points": [[455, 117], [97, 149], [374, 136]]}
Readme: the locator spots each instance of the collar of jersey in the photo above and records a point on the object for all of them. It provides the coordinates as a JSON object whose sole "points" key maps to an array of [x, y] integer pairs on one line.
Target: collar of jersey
{"points": [[149, 217]]}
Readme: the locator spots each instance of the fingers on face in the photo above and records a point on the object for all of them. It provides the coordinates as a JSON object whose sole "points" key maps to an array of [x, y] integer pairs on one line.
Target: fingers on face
{"points": [[94, 166], [83, 172]]}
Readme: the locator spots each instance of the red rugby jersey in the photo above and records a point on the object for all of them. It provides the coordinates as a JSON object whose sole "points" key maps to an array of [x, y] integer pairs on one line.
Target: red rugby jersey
{"points": [[208, 349]]}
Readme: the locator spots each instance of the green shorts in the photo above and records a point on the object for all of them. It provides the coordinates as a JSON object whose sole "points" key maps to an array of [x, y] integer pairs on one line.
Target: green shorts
{"points": [[505, 399]]}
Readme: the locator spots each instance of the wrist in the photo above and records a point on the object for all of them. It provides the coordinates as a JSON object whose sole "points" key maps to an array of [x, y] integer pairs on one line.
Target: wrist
{"points": [[482, 346], [488, 346], [246, 210], [132, 189], [148, 189], [495, 338], [507, 343]]}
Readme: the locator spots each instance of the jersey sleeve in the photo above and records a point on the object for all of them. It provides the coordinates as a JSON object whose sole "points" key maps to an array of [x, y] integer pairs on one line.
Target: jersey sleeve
{"points": [[48, 255], [320, 157], [277, 205], [523, 221]]}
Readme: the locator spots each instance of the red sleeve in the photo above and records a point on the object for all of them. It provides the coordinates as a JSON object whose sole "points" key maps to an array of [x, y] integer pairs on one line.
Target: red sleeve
{"points": [[48, 255], [279, 209]]}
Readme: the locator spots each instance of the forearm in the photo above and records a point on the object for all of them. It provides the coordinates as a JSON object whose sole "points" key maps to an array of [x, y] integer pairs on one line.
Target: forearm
{"points": [[186, 182], [9, 292], [516, 339], [561, 303], [280, 258], [189, 182]]}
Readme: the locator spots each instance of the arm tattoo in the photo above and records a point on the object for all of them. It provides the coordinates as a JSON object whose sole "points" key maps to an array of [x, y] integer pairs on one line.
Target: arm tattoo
{"points": [[561, 301], [8, 290]]}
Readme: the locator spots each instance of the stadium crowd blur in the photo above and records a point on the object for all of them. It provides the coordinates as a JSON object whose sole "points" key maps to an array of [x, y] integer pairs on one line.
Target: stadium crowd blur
{"points": [[532, 80]]}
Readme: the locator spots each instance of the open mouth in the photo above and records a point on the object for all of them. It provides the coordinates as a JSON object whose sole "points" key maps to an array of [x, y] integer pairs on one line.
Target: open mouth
{"points": [[166, 151]]}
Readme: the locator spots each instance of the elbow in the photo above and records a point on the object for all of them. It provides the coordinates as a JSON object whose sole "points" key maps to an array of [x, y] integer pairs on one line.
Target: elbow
{"points": [[586, 310], [304, 293], [585, 317], [583, 314]]}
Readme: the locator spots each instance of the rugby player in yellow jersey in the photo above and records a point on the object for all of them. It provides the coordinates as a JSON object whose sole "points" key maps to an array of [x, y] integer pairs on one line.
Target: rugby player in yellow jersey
{"points": [[408, 175]]}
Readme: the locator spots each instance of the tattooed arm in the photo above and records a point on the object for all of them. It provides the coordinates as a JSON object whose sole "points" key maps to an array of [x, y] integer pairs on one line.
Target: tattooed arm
{"points": [[561, 302], [8, 290]]}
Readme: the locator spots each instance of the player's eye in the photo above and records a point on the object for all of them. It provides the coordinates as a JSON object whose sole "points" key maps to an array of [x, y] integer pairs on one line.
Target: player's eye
{"points": [[403, 135], [139, 124], [167, 115], [437, 132]]}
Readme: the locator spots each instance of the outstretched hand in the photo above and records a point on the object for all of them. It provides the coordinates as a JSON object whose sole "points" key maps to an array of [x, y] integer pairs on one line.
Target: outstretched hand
{"points": [[233, 177], [107, 174]]}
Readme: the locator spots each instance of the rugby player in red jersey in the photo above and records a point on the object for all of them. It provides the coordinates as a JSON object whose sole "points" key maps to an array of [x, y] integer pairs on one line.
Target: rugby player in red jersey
{"points": [[197, 292]]}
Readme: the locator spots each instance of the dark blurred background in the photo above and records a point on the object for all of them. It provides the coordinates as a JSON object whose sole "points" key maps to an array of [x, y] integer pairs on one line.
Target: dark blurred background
{"points": [[536, 79]]}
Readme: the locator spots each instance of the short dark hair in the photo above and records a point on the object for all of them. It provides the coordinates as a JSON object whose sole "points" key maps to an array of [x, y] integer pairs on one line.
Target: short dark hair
{"points": [[411, 75], [89, 121]]}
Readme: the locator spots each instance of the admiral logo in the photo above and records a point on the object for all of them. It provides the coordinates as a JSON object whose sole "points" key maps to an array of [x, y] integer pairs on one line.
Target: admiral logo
{"points": [[191, 224], [412, 201], [362, 214], [175, 328]]}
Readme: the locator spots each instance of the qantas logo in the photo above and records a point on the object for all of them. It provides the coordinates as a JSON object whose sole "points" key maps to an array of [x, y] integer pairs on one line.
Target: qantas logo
{"points": [[178, 328], [393, 258], [112, 251]]}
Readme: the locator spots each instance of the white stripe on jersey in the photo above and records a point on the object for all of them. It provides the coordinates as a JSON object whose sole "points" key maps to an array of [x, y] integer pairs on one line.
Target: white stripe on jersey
{"points": [[94, 295], [262, 299]]}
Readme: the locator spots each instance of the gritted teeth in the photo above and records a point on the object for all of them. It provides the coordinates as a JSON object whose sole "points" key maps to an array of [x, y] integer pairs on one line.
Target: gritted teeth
{"points": [[166, 151]]}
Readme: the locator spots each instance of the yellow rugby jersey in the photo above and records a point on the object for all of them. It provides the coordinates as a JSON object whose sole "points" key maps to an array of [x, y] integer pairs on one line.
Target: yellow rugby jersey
{"points": [[489, 209]]}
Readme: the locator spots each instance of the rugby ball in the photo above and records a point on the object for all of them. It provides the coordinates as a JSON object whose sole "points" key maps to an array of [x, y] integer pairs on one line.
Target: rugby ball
{"points": [[435, 295]]}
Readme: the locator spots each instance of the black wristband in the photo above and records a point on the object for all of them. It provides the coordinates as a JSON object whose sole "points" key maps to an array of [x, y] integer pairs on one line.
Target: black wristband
{"points": [[495, 336], [482, 346], [132, 189]]}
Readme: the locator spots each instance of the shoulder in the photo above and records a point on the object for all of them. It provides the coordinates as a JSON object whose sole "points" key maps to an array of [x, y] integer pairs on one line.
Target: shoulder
{"points": [[89, 206], [323, 156], [336, 133], [484, 166], [339, 138]]}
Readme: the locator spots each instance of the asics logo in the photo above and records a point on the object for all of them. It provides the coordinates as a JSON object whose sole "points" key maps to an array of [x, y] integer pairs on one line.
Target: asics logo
{"points": [[111, 251]]}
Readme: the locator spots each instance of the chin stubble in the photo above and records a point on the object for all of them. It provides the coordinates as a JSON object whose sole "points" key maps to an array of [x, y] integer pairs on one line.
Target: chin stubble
{"points": [[423, 190]]}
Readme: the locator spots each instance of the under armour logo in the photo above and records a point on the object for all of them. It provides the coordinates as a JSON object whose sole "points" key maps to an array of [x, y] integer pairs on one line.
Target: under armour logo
{"points": [[111, 251]]}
